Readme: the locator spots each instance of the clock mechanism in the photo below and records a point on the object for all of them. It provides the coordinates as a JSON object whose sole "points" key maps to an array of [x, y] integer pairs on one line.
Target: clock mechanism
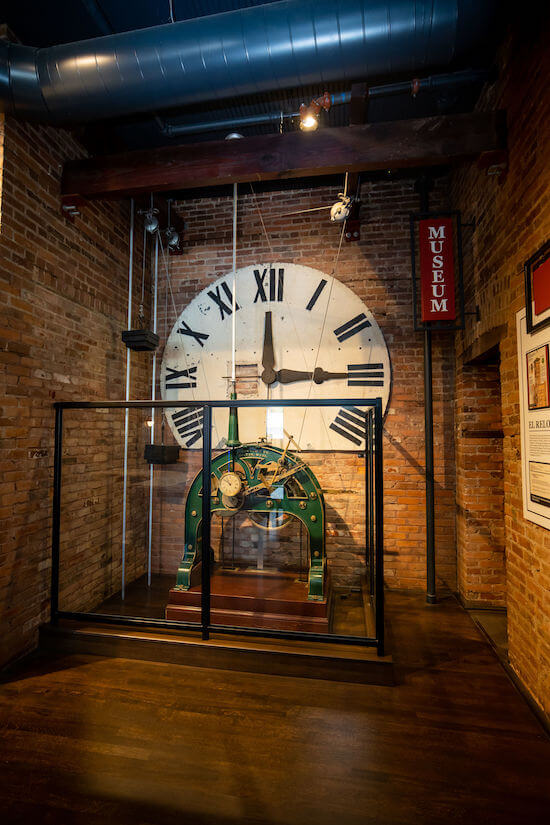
{"points": [[272, 486]]}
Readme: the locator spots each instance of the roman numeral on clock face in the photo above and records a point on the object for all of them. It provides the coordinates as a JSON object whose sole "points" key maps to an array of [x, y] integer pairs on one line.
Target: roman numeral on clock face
{"points": [[225, 308], [188, 423], [276, 285], [173, 376], [350, 423], [199, 337], [352, 327], [365, 375], [315, 296]]}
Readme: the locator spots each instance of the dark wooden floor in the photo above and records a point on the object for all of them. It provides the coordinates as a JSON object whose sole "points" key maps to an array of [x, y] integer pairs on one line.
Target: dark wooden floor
{"points": [[98, 741]]}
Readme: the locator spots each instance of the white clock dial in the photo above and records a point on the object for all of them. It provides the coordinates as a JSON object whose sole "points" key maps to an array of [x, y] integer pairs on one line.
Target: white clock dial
{"points": [[230, 484], [326, 344]]}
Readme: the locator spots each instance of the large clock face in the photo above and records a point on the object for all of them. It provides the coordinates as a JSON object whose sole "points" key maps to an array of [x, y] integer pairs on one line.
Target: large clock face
{"points": [[300, 334]]}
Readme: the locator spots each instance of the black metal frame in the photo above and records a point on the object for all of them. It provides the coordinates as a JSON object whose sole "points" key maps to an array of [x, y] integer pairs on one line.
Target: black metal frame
{"points": [[373, 501], [445, 326], [532, 263]]}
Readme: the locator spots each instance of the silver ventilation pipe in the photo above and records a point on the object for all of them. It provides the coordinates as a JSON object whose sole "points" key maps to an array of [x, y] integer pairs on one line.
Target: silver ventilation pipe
{"points": [[280, 45]]}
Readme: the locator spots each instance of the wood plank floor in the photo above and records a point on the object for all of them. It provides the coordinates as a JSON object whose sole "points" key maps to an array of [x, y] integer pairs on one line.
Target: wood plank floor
{"points": [[98, 741]]}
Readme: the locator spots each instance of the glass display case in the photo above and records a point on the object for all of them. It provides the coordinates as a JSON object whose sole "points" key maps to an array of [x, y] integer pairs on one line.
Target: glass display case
{"points": [[203, 526]]}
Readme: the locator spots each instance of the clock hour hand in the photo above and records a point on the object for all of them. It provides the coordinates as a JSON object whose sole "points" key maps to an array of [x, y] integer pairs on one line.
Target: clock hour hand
{"points": [[319, 375], [268, 355]]}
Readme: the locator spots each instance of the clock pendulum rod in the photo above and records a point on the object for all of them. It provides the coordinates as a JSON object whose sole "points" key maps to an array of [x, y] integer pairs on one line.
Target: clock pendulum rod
{"points": [[128, 351], [233, 428], [234, 298]]}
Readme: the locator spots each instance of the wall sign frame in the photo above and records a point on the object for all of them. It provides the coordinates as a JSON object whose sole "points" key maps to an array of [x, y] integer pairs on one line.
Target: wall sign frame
{"points": [[416, 219], [537, 289], [534, 407]]}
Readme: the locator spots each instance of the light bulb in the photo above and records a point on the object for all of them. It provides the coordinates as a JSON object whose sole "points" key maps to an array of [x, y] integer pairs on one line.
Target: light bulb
{"points": [[309, 123]]}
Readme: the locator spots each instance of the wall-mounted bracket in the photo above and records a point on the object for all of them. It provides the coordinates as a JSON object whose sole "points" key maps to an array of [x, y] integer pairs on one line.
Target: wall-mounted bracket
{"points": [[476, 312]]}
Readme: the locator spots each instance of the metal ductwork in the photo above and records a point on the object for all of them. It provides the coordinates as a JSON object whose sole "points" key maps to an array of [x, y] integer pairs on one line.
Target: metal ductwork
{"points": [[280, 45]]}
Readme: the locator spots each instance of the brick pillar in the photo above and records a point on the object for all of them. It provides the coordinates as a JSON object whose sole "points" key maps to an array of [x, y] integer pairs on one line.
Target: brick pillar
{"points": [[480, 486]]}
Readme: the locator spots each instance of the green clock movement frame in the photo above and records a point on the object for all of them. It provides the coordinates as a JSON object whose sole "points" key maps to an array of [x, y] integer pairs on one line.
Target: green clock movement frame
{"points": [[260, 469]]}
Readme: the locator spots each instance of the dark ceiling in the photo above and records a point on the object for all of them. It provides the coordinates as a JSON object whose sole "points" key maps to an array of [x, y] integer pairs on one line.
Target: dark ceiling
{"points": [[40, 24]]}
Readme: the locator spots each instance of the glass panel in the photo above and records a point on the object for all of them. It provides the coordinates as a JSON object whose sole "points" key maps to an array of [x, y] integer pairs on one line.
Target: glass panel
{"points": [[118, 559], [290, 542]]}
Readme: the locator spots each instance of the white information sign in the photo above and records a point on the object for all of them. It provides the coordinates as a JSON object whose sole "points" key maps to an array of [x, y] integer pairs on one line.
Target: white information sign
{"points": [[534, 389]]}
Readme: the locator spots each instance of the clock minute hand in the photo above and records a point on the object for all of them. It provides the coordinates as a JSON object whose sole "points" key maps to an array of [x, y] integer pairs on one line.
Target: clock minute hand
{"points": [[289, 376], [319, 375], [268, 355]]}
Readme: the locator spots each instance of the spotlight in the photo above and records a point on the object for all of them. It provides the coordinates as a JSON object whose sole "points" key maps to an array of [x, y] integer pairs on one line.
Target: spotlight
{"points": [[172, 237], [309, 115], [151, 222]]}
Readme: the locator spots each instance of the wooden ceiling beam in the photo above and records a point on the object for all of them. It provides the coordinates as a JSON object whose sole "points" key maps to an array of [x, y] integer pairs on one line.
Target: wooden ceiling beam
{"points": [[400, 144]]}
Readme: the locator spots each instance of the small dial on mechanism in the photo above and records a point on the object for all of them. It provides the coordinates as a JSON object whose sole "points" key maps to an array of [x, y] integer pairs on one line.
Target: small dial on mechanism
{"points": [[230, 484]]}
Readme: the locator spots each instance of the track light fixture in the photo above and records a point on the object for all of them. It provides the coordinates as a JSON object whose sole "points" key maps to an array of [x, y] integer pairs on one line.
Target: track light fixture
{"points": [[151, 222], [172, 237], [309, 115]]}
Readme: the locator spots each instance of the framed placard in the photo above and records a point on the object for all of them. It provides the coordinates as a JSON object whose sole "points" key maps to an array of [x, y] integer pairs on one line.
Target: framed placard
{"points": [[534, 408], [538, 389], [537, 289]]}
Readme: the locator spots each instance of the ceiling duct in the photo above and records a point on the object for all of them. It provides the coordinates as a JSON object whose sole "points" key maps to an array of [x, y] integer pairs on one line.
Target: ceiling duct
{"points": [[280, 45]]}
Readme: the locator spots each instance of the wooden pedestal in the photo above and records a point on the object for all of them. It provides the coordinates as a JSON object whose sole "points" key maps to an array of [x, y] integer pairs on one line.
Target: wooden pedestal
{"points": [[254, 598]]}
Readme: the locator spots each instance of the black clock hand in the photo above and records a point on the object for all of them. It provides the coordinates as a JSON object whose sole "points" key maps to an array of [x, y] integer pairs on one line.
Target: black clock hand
{"points": [[289, 376], [319, 375], [268, 356]]}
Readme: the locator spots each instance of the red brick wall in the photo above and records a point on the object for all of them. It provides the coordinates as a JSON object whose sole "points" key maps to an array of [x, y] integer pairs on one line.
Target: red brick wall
{"points": [[480, 486], [64, 295], [513, 220], [378, 270]]}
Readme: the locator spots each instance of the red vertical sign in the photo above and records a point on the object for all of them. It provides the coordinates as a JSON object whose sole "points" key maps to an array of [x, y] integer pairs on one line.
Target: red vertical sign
{"points": [[437, 273]]}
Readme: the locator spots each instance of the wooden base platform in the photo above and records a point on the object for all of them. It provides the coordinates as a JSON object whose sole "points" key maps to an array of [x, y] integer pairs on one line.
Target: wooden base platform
{"points": [[311, 660], [255, 598]]}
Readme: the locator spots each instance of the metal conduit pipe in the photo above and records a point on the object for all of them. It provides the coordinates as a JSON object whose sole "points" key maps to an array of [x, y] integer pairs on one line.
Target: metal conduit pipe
{"points": [[443, 82], [280, 45], [174, 129]]}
